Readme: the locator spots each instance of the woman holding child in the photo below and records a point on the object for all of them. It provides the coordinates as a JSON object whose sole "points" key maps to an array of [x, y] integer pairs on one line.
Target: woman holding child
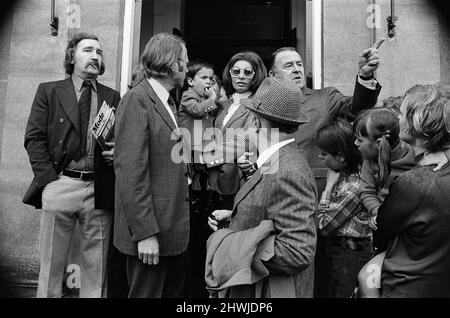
{"points": [[241, 78], [201, 109]]}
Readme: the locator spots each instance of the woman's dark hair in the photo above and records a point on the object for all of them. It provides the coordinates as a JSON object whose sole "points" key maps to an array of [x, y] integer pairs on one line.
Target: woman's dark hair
{"points": [[71, 47], [257, 65], [193, 68], [337, 137], [380, 125], [196, 65]]}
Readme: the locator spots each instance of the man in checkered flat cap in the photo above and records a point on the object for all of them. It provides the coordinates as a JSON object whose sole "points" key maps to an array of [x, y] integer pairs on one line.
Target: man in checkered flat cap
{"points": [[327, 103], [282, 190], [322, 105]]}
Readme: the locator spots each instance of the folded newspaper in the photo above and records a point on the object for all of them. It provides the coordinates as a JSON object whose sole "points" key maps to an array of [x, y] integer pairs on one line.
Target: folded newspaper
{"points": [[103, 128]]}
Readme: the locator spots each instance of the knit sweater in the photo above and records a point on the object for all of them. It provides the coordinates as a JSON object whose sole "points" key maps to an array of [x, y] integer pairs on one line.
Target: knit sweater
{"points": [[402, 159]]}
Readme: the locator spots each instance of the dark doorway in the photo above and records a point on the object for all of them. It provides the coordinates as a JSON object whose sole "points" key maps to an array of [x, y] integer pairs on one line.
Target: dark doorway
{"points": [[215, 30]]}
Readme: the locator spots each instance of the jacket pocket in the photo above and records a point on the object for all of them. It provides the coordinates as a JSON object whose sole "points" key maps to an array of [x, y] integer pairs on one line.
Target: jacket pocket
{"points": [[160, 203]]}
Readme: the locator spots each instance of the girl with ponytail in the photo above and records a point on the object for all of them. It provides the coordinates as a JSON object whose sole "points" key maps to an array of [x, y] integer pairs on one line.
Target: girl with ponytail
{"points": [[385, 155], [415, 217]]}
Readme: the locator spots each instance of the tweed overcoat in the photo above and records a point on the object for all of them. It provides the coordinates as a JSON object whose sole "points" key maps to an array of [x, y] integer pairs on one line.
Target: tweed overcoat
{"points": [[283, 190]]}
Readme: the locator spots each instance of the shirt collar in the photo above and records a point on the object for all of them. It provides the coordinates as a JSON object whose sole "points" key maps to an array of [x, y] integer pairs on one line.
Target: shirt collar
{"points": [[78, 83], [238, 96], [306, 91], [266, 154], [160, 90]]}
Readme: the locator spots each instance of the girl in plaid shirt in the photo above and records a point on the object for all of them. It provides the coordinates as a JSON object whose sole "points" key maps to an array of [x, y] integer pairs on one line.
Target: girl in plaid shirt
{"points": [[341, 215]]}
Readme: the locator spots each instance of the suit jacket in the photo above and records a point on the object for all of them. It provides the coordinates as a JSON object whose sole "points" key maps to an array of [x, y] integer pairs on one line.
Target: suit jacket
{"points": [[151, 186], [324, 104], [52, 137], [283, 190], [225, 178]]}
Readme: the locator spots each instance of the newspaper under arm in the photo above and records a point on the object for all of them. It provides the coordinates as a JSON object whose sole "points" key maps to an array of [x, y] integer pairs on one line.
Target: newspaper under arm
{"points": [[103, 127]]}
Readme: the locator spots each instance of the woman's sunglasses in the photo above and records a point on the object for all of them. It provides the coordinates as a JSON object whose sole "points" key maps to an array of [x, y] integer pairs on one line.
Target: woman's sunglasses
{"points": [[247, 72]]}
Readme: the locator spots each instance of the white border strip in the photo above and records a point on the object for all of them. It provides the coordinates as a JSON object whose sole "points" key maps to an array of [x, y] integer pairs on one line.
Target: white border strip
{"points": [[317, 43], [127, 46]]}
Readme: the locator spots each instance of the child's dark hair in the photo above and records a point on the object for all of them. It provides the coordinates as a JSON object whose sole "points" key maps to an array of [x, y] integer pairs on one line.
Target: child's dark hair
{"points": [[196, 65], [336, 137], [380, 125], [193, 68]]}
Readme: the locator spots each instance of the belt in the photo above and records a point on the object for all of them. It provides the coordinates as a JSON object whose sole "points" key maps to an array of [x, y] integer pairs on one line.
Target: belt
{"points": [[350, 239], [352, 243], [83, 175]]}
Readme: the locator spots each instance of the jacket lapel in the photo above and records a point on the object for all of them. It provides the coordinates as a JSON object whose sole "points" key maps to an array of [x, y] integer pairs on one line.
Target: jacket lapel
{"points": [[103, 96], [241, 111], [68, 100], [306, 93], [223, 112], [256, 178], [247, 187], [159, 107]]}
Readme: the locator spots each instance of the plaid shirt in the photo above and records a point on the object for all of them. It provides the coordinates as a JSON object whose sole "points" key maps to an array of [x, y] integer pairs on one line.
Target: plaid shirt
{"points": [[345, 215]]}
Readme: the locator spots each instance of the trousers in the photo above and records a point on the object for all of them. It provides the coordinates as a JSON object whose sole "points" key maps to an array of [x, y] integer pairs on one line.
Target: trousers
{"points": [[66, 201]]}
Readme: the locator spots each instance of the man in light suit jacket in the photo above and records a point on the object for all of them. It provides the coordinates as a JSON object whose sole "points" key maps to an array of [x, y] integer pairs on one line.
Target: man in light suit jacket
{"points": [[73, 178], [152, 201], [282, 189]]}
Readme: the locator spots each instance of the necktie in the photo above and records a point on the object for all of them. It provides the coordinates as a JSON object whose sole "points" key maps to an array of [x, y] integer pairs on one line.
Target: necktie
{"points": [[172, 106], [84, 105]]}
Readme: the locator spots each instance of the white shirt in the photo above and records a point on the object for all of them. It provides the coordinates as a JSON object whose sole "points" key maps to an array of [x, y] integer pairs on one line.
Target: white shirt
{"points": [[163, 95], [234, 107], [266, 154], [370, 84]]}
